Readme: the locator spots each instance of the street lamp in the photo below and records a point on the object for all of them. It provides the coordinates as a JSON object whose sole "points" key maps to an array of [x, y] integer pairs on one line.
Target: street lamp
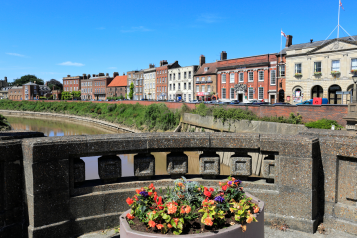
{"points": [[354, 78]]}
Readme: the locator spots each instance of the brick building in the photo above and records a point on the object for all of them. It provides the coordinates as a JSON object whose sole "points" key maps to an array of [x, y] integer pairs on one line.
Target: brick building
{"points": [[15, 93], [162, 77], [72, 83], [117, 87], [87, 87], [205, 81], [247, 78], [99, 85]]}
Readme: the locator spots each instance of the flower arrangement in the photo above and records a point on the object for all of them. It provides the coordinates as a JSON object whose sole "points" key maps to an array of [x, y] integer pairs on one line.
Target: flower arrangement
{"points": [[334, 73], [191, 208], [354, 71], [298, 74], [317, 73]]}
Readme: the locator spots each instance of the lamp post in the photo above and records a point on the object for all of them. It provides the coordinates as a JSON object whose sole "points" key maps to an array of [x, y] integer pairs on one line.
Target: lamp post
{"points": [[354, 99]]}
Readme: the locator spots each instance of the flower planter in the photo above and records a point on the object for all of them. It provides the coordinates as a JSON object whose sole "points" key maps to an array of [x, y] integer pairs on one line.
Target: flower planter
{"points": [[254, 229]]}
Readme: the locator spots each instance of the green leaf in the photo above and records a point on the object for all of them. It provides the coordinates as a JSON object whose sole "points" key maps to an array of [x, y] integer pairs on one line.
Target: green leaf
{"points": [[173, 223], [179, 226]]}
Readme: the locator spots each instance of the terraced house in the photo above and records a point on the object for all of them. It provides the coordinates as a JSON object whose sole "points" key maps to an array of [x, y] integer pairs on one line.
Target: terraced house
{"points": [[117, 88], [181, 83], [71, 84], [136, 77], [100, 83], [162, 77], [205, 81], [149, 82], [321, 69]]}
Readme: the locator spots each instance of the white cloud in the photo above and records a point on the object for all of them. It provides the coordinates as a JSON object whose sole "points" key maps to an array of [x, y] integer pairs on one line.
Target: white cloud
{"points": [[137, 29], [69, 63], [209, 18], [16, 54], [112, 67]]}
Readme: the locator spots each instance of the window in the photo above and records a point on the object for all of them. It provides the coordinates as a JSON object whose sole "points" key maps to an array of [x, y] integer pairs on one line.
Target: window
{"points": [[174, 85], [209, 88], [282, 70], [317, 67], [197, 88], [209, 78], [241, 77], [197, 79], [298, 69], [223, 78], [174, 76], [335, 65], [232, 93], [260, 93], [189, 86], [250, 76], [184, 86], [223, 93], [184, 97], [272, 77], [203, 79], [203, 88], [231, 80], [189, 97], [206, 69], [189, 76], [354, 64], [170, 76], [170, 96], [250, 93], [184, 76], [179, 86], [170, 87], [260, 75]]}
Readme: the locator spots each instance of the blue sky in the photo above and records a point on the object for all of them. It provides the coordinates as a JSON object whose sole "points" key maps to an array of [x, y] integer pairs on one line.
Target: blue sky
{"points": [[54, 38]]}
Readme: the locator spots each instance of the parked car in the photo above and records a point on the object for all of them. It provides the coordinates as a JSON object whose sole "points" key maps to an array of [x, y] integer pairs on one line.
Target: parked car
{"points": [[235, 102], [282, 103], [195, 101], [310, 102], [144, 99]]}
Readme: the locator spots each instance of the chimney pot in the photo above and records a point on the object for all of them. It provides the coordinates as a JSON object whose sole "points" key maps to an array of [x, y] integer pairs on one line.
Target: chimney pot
{"points": [[68, 75], [223, 55], [289, 40], [202, 60], [311, 40], [123, 74], [5, 79]]}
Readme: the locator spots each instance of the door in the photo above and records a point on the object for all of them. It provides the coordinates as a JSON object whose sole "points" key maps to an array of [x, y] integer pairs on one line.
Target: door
{"points": [[240, 97], [272, 99]]}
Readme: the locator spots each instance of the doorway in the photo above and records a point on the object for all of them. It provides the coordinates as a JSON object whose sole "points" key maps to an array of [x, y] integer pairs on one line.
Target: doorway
{"points": [[272, 98], [240, 97], [333, 97]]}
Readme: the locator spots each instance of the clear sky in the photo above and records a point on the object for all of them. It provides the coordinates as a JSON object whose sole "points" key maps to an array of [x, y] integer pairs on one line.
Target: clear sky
{"points": [[54, 38]]}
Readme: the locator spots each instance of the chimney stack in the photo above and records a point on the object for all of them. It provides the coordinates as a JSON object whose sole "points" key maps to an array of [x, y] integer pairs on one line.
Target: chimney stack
{"points": [[68, 75], [311, 40], [223, 55], [6, 79], [202, 60], [88, 76], [46, 83], [93, 75], [107, 74], [115, 74], [84, 76], [289, 40], [123, 74], [151, 66]]}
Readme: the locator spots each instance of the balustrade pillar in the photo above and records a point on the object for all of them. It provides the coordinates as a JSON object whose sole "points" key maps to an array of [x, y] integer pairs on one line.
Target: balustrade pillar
{"points": [[241, 164], [109, 168], [79, 170], [144, 166], [177, 164], [209, 164], [268, 167]]}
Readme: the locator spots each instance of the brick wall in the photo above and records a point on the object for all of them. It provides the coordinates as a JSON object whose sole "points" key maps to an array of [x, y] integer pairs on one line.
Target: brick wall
{"points": [[308, 112]]}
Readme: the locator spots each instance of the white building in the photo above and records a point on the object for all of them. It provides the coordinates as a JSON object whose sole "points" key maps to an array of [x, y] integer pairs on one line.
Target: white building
{"points": [[180, 83], [149, 82]]}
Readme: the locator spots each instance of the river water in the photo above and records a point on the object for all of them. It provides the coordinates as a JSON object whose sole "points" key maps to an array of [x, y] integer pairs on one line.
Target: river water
{"points": [[62, 128]]}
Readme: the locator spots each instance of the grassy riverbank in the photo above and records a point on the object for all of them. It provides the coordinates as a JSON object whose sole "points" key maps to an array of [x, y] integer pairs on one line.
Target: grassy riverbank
{"points": [[156, 117]]}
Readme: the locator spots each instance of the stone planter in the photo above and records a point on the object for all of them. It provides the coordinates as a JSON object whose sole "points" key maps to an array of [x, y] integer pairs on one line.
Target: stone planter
{"points": [[254, 229]]}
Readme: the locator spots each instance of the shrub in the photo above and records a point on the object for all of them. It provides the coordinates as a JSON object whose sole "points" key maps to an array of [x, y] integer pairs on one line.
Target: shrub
{"points": [[323, 124]]}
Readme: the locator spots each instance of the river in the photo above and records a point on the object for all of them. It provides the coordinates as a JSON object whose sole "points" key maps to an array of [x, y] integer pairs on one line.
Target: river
{"points": [[62, 128]]}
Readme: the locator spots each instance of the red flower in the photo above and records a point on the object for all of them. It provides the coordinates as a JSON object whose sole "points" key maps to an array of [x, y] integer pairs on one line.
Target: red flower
{"points": [[137, 191], [150, 193], [256, 210], [208, 221], [211, 189], [224, 188], [159, 226], [136, 198], [129, 216], [176, 220], [152, 224], [169, 225], [188, 209], [129, 201], [220, 183], [207, 194], [151, 186], [205, 189]]}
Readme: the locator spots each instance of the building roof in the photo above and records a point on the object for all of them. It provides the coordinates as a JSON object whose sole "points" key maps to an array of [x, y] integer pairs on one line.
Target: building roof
{"points": [[30, 83], [119, 81], [212, 69], [315, 44]]}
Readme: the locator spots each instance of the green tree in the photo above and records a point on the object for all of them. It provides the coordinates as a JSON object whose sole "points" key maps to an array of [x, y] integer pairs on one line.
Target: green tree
{"points": [[76, 94], [131, 93], [66, 96], [54, 83], [26, 79]]}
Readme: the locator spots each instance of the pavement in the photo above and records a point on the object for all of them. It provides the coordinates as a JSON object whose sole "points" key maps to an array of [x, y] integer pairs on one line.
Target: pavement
{"points": [[269, 233]]}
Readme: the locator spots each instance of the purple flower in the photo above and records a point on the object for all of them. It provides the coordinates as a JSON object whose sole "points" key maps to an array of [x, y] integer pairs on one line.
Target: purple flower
{"points": [[144, 193], [219, 199], [230, 183], [238, 181]]}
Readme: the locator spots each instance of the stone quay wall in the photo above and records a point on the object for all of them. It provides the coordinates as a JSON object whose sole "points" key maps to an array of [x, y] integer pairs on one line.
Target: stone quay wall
{"points": [[310, 177], [308, 112]]}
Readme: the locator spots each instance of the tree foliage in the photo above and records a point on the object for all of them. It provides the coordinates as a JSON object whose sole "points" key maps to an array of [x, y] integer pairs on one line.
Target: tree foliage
{"points": [[66, 96], [54, 83], [76, 94], [131, 93], [26, 79]]}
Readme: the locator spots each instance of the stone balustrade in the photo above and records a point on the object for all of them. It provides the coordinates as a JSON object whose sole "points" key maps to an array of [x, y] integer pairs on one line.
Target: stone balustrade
{"points": [[59, 202]]}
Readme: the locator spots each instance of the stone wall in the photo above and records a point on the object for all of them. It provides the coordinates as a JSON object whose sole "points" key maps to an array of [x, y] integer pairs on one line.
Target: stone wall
{"points": [[196, 123]]}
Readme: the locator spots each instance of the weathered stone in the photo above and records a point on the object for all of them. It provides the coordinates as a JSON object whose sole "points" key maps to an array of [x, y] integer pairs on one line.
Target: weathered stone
{"points": [[209, 165], [268, 169], [144, 166], [109, 168], [177, 164], [241, 164], [79, 171]]}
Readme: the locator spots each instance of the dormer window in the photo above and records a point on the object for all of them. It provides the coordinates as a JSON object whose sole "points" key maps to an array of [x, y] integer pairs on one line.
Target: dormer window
{"points": [[206, 69]]}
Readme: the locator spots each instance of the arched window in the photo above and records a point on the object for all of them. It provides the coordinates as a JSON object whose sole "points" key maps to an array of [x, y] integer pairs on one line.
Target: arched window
{"points": [[348, 97], [317, 92], [333, 97]]}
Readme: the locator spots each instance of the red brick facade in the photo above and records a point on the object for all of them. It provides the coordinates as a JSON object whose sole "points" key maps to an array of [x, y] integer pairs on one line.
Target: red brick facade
{"points": [[258, 73], [71, 84], [161, 82]]}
